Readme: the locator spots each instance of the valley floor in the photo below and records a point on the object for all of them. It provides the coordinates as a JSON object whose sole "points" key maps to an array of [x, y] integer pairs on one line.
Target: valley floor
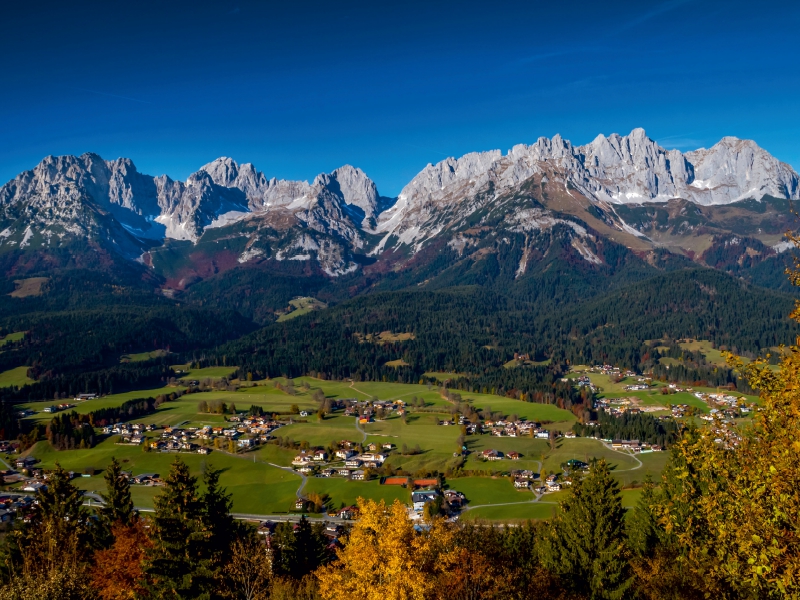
{"points": [[261, 480]]}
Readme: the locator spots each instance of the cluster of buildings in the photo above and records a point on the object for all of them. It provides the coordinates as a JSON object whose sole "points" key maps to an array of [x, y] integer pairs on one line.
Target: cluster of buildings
{"points": [[10, 506], [351, 463], [130, 433], [634, 446], [370, 410], [732, 406], [245, 432], [502, 428]]}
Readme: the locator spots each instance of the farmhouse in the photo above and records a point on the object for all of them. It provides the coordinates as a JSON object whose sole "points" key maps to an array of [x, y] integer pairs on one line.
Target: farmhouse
{"points": [[420, 499], [491, 455]]}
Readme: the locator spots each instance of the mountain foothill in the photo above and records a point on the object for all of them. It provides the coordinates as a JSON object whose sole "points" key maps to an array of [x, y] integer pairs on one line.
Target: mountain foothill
{"points": [[553, 249]]}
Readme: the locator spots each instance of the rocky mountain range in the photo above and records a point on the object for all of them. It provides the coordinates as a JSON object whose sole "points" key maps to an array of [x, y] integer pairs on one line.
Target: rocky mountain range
{"points": [[625, 190]]}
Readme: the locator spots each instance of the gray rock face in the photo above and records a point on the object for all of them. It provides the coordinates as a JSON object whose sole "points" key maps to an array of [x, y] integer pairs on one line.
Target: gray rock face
{"points": [[68, 195], [616, 169], [734, 169]]}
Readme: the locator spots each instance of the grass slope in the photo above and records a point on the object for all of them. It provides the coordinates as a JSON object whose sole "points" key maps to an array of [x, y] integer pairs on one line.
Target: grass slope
{"points": [[15, 377]]}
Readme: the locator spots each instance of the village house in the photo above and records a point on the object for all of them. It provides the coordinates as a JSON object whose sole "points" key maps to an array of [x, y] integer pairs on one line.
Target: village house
{"points": [[301, 459], [454, 499], [520, 483], [421, 498], [491, 455]]}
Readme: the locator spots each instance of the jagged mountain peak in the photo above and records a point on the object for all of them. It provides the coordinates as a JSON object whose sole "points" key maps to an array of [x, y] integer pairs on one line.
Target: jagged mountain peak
{"points": [[337, 210]]}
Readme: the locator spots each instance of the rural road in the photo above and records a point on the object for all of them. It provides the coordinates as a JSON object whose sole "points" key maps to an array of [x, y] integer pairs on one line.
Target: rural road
{"points": [[361, 431], [291, 470], [639, 464]]}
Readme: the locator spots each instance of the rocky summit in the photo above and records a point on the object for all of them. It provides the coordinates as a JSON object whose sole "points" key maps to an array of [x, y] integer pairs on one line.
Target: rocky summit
{"points": [[614, 187]]}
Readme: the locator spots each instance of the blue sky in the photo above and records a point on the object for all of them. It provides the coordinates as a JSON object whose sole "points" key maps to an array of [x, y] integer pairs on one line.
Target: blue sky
{"points": [[299, 88]]}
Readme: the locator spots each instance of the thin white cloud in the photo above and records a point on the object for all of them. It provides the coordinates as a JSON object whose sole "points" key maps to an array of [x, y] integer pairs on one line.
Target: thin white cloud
{"points": [[657, 11]]}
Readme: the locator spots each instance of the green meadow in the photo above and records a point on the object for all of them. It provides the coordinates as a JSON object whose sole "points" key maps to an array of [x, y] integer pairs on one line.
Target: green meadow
{"points": [[343, 492], [256, 487], [11, 337], [259, 488], [15, 377], [513, 513]]}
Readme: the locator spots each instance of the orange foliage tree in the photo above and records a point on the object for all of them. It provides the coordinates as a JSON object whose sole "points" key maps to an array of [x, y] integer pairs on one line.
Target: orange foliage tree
{"points": [[117, 573]]}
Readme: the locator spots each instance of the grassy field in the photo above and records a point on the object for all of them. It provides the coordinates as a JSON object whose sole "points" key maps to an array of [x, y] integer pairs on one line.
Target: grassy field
{"points": [[585, 449], [653, 464], [531, 451], [344, 492], [488, 490], [141, 356], [397, 363], [206, 373], [436, 442], [705, 348], [12, 337], [29, 287], [262, 489], [513, 513], [256, 487], [88, 406], [444, 376], [15, 377], [302, 306]]}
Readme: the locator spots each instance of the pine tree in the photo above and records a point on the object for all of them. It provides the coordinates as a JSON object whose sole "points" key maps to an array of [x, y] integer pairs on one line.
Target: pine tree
{"points": [[216, 518], [642, 526], [118, 503], [59, 534], [586, 541], [175, 564]]}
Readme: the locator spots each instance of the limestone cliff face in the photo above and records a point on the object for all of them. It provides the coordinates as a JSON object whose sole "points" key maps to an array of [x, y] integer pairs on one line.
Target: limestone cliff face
{"points": [[341, 212], [631, 169]]}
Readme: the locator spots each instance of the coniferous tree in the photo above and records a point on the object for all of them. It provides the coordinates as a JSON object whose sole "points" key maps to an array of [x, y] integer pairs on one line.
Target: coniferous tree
{"points": [[643, 528], [176, 562], [118, 503], [51, 549], [216, 519], [585, 544], [297, 550]]}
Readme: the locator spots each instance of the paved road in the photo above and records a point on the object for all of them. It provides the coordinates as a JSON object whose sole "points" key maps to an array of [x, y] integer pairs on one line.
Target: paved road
{"points": [[291, 470], [639, 464], [361, 431]]}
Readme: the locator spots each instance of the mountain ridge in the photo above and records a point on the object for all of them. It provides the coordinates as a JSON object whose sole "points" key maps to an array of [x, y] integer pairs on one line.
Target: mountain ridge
{"points": [[339, 222]]}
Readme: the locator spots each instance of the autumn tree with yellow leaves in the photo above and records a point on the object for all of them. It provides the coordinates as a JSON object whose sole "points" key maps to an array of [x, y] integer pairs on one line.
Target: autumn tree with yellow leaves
{"points": [[730, 504], [383, 558]]}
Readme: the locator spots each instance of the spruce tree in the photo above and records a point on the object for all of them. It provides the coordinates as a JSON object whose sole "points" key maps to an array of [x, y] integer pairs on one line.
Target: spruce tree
{"points": [[217, 521], [642, 526], [176, 563], [59, 532], [297, 549], [118, 503], [586, 542], [60, 501]]}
